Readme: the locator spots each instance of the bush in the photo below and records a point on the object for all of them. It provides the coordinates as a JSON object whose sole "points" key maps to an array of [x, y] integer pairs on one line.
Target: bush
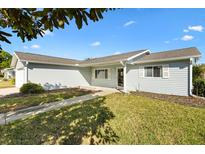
{"points": [[5, 79], [12, 81], [31, 88], [199, 87]]}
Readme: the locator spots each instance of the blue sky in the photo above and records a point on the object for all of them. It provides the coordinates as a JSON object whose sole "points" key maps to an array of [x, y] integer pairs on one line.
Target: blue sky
{"points": [[121, 31]]}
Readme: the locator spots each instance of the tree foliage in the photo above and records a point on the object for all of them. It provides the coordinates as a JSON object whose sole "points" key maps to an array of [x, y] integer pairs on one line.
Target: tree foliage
{"points": [[198, 71], [5, 58], [29, 23]]}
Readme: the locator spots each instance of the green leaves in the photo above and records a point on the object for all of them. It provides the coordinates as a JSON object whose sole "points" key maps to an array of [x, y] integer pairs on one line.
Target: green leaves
{"points": [[5, 59], [30, 23], [3, 37]]}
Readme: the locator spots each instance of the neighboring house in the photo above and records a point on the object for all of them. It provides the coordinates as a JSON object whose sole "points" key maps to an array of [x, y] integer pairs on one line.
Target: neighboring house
{"points": [[8, 73], [168, 72]]}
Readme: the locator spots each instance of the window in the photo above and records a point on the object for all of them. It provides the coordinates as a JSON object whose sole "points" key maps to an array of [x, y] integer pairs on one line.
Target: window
{"points": [[148, 71], [101, 74], [155, 71]]}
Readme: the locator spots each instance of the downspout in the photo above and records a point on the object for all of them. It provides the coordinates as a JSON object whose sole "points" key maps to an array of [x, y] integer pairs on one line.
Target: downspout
{"points": [[190, 77]]}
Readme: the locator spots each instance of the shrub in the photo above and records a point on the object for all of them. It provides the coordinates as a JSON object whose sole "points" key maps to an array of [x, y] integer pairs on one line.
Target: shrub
{"points": [[199, 87], [5, 79], [12, 81], [31, 88]]}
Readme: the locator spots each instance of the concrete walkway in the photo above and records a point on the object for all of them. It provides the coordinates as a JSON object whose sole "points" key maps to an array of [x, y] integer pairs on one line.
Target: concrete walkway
{"points": [[24, 113], [8, 91]]}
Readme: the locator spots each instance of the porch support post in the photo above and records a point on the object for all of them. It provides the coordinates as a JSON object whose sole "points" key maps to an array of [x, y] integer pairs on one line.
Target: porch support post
{"points": [[125, 77], [26, 72]]}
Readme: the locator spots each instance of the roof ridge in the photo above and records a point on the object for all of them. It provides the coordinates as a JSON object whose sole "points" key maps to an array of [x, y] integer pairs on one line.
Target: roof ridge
{"points": [[46, 55]]}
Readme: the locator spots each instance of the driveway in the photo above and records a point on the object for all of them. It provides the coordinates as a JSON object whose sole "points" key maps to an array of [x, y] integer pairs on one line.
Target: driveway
{"points": [[8, 91]]}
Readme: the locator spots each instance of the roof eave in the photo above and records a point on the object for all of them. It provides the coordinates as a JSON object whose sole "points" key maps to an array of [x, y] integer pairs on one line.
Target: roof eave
{"points": [[166, 59], [99, 64], [37, 62]]}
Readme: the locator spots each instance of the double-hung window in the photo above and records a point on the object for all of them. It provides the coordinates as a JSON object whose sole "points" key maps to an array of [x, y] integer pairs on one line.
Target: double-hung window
{"points": [[153, 71], [101, 73]]}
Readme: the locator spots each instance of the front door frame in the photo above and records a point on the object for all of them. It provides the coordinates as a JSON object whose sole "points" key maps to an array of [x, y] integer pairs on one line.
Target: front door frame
{"points": [[120, 87]]}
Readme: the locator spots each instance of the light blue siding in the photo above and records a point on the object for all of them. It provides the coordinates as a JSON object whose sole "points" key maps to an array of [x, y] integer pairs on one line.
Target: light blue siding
{"points": [[54, 76], [111, 82], [176, 84]]}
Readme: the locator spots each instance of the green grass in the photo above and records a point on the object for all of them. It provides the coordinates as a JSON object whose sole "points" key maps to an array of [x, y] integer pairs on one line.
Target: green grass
{"points": [[114, 119], [14, 103], [6, 84]]}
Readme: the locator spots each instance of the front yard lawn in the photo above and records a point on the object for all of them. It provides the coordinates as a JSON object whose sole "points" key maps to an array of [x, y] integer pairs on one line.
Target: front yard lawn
{"points": [[114, 119], [19, 102], [6, 84]]}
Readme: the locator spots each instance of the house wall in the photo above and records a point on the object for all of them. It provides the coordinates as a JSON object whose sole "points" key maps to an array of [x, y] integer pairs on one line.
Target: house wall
{"points": [[19, 65], [54, 76], [20, 74], [110, 83], [176, 84]]}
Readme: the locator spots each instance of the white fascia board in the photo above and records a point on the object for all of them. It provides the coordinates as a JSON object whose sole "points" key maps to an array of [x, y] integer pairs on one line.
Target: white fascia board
{"points": [[167, 59], [137, 55], [17, 58], [99, 64], [50, 63]]}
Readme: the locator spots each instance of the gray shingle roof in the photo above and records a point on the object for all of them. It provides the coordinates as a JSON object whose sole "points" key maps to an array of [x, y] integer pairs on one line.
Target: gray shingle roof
{"points": [[111, 59], [178, 53], [30, 57], [171, 54], [64, 61]]}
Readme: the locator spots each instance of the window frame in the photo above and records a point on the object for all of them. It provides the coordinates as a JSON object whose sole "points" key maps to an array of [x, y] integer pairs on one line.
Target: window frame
{"points": [[98, 69], [152, 66]]}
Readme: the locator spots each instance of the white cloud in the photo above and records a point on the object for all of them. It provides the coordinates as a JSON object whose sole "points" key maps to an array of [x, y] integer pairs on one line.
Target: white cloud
{"points": [[198, 28], [49, 33], [167, 42], [95, 44], [185, 30], [131, 22], [35, 46], [25, 47], [187, 38], [116, 53]]}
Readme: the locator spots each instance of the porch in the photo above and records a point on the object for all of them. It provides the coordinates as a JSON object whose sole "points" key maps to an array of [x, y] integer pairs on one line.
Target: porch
{"points": [[112, 76]]}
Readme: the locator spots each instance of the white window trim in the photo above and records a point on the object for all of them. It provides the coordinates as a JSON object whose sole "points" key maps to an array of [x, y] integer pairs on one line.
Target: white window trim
{"points": [[108, 71], [153, 71]]}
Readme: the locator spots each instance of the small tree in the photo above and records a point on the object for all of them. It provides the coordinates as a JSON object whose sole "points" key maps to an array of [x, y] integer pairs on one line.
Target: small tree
{"points": [[5, 59], [197, 72]]}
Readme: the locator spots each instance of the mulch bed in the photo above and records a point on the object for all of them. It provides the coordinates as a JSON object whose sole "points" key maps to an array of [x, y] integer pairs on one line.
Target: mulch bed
{"points": [[185, 100]]}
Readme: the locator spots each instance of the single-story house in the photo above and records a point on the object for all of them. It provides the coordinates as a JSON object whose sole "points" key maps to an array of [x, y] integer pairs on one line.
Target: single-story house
{"points": [[167, 72], [8, 73]]}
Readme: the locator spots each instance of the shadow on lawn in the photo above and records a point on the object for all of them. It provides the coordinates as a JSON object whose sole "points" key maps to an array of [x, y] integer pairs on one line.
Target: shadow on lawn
{"points": [[85, 123]]}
